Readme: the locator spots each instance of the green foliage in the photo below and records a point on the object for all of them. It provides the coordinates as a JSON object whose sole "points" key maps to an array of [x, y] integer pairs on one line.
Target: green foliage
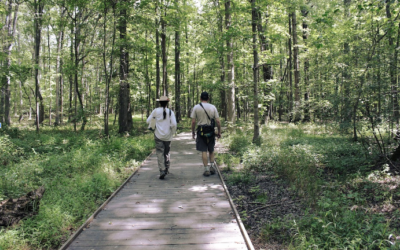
{"points": [[240, 178], [228, 160], [277, 230], [334, 174], [78, 170], [239, 142], [335, 226]]}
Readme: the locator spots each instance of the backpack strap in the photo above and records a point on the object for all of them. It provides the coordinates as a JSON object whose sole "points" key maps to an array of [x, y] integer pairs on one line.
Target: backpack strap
{"points": [[205, 111]]}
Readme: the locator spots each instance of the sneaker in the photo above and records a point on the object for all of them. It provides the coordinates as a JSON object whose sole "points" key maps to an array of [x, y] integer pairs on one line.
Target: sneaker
{"points": [[212, 169], [206, 173], [162, 174]]}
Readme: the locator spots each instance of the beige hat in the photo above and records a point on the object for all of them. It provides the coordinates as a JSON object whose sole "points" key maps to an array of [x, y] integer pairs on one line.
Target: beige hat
{"points": [[163, 99]]}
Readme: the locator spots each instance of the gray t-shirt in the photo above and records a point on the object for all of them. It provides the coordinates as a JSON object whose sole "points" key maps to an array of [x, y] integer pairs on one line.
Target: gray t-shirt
{"points": [[201, 117]]}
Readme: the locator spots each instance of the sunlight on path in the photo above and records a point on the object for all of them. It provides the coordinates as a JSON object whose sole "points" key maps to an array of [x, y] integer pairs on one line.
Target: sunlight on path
{"points": [[184, 211]]}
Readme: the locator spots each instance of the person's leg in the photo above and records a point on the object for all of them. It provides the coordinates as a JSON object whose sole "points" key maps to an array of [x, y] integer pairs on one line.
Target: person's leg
{"points": [[211, 146], [212, 157], [167, 147], [160, 156], [205, 163], [201, 145], [205, 159]]}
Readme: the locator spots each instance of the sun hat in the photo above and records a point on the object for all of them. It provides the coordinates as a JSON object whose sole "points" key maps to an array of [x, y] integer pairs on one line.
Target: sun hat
{"points": [[163, 99]]}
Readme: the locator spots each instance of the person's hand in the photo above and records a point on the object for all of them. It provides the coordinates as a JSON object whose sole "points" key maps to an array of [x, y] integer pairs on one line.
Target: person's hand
{"points": [[194, 136], [219, 135]]}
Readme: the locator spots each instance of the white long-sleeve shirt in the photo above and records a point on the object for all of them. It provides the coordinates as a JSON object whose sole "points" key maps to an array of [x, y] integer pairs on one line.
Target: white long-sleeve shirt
{"points": [[165, 129]]}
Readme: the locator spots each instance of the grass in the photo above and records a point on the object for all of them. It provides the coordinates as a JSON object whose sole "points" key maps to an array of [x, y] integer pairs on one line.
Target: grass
{"points": [[352, 205], [78, 170]]}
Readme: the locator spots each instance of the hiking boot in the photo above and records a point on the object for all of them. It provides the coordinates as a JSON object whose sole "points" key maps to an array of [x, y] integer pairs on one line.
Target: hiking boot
{"points": [[162, 174], [212, 169], [206, 173]]}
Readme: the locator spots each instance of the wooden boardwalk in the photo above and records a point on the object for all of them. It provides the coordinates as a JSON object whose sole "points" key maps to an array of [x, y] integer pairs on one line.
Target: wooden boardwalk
{"points": [[184, 211]]}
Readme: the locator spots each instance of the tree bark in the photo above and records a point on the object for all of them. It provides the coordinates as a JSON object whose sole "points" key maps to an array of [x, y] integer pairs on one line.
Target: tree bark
{"points": [[347, 109], [307, 117], [289, 66], [157, 23], [10, 28], [59, 84], [393, 65], [296, 69], [267, 69], [254, 15], [221, 62], [125, 111], [38, 6], [164, 53], [177, 76], [231, 111]]}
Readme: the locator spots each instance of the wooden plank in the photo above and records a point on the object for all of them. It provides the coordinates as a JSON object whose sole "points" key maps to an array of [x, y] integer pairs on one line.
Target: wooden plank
{"points": [[224, 246], [185, 211]]}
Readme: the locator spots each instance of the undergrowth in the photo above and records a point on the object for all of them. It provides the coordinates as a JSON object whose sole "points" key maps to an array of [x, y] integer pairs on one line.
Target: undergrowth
{"points": [[351, 207], [79, 171]]}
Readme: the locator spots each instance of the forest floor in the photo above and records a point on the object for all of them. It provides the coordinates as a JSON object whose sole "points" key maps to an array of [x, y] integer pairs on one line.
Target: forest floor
{"points": [[251, 203], [255, 214], [326, 207]]}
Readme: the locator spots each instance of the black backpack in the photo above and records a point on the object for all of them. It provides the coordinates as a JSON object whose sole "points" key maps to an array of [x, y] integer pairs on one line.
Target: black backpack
{"points": [[207, 130]]}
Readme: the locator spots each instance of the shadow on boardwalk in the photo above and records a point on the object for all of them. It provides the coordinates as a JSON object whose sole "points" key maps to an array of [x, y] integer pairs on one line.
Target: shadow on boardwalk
{"points": [[184, 211]]}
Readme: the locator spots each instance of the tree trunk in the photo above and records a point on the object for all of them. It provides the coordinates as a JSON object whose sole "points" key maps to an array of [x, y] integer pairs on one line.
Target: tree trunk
{"points": [[347, 110], [38, 4], [296, 69], [289, 66], [10, 27], [267, 69], [254, 18], [164, 54], [307, 117], [77, 44], [177, 76], [393, 66], [50, 99], [157, 57], [70, 119], [125, 112], [231, 74], [221, 62]]}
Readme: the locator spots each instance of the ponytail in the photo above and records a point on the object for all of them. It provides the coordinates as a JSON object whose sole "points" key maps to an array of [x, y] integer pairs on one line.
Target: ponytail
{"points": [[164, 105]]}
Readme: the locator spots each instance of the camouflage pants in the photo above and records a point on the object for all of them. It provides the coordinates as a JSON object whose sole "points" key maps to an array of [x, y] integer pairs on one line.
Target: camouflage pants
{"points": [[162, 151]]}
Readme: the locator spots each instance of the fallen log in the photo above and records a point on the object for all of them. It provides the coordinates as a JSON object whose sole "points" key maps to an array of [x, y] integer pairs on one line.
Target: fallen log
{"points": [[14, 210]]}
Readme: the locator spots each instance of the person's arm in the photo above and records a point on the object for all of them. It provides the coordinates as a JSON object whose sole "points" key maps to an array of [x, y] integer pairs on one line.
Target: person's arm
{"points": [[173, 124], [150, 117], [193, 128], [219, 127]]}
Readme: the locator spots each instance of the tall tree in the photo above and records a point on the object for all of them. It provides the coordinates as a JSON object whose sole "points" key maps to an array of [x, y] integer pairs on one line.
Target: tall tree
{"points": [[307, 118], [177, 67], [125, 111], [164, 54], [393, 64], [267, 72], [254, 22], [38, 6], [296, 68], [60, 79], [10, 28], [108, 72], [231, 111]]}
